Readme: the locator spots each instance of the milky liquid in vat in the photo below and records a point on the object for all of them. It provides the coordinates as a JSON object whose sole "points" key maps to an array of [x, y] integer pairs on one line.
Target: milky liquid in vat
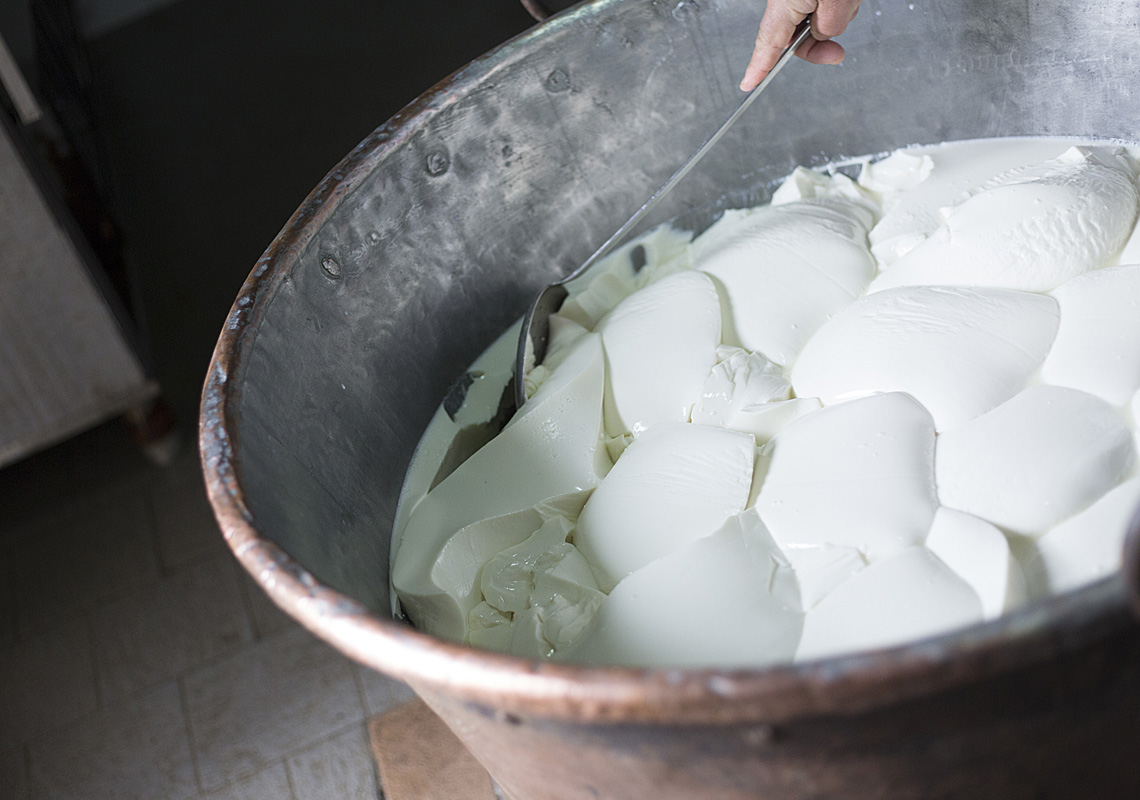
{"points": [[816, 428]]}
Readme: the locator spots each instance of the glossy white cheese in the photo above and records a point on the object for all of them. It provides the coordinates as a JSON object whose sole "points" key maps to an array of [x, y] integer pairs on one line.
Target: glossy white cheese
{"points": [[508, 579], [728, 599], [853, 525], [549, 449], [1090, 544], [491, 372], [660, 344], [1031, 228], [859, 474], [784, 270], [1034, 460], [457, 567], [908, 596], [738, 379], [633, 266], [822, 568], [1098, 343], [959, 351], [543, 588], [765, 420], [916, 185], [808, 184], [902, 170], [979, 554], [675, 483]]}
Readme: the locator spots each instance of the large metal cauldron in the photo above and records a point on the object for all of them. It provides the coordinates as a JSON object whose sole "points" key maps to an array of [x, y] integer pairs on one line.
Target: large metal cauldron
{"points": [[429, 239]]}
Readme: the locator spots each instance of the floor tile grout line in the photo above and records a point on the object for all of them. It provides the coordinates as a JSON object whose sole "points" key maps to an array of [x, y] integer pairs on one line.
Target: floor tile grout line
{"points": [[89, 616], [289, 779], [358, 677], [57, 729], [171, 483], [217, 658], [152, 520], [58, 621], [102, 704], [45, 736], [221, 657], [191, 738], [101, 708], [328, 737], [205, 794], [361, 724], [246, 600], [184, 694]]}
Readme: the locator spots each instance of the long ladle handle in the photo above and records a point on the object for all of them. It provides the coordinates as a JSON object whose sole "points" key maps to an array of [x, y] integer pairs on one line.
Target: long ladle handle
{"points": [[536, 321], [803, 30]]}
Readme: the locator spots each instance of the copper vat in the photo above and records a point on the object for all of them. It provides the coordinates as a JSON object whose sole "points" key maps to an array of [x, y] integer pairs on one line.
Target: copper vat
{"points": [[430, 238]]}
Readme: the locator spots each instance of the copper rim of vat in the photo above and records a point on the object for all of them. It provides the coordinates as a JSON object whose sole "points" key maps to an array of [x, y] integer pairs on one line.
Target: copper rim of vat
{"points": [[510, 685]]}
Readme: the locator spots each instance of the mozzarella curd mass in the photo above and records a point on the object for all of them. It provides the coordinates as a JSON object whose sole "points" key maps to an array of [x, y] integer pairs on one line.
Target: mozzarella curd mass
{"points": [[872, 411]]}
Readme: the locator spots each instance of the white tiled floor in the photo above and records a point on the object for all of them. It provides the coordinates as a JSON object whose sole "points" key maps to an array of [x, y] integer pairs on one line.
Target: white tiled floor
{"points": [[137, 659]]}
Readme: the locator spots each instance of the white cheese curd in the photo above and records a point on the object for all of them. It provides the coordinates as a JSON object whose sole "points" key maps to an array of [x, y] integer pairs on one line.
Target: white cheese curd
{"points": [[821, 568], [870, 412], [859, 474], [1030, 229], [661, 252], [660, 344], [765, 420], [807, 184], [456, 571], [1098, 344], [959, 351], [908, 596], [541, 590], [915, 186], [477, 405], [900, 171], [738, 380], [979, 553], [1034, 460], [728, 599], [1087, 546], [785, 269], [677, 482], [550, 448]]}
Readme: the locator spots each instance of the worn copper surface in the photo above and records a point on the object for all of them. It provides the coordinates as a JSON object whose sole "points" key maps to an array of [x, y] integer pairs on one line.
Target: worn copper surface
{"points": [[1058, 677]]}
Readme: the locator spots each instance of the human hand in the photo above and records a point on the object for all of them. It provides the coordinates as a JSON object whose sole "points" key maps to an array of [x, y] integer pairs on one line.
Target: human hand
{"points": [[829, 18]]}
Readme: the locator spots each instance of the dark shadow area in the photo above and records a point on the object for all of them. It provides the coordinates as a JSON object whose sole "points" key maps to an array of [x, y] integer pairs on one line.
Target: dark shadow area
{"points": [[220, 117]]}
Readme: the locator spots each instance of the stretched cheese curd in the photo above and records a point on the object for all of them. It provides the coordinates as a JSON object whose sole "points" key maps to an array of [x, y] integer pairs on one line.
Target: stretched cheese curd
{"points": [[871, 411]]}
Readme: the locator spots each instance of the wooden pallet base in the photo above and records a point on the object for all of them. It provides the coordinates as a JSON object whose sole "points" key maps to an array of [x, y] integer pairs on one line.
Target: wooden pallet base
{"points": [[419, 758]]}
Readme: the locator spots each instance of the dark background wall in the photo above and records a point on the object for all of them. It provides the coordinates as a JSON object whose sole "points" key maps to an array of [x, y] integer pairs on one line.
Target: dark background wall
{"points": [[222, 116], [216, 118]]}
